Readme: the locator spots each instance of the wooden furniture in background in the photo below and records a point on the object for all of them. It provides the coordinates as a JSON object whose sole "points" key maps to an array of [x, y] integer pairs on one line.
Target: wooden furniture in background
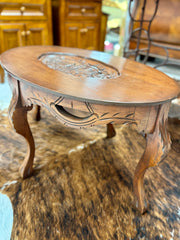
{"points": [[85, 88], [77, 23], [24, 22], [164, 30]]}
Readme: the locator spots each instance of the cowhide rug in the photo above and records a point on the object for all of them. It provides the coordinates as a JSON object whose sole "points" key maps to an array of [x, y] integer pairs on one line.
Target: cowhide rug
{"points": [[82, 184]]}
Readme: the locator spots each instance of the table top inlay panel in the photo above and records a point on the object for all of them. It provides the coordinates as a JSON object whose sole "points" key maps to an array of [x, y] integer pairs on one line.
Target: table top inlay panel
{"points": [[79, 66]]}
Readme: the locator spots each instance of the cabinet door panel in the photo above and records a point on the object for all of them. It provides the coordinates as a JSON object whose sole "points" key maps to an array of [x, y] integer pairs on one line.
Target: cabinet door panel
{"points": [[89, 36], [81, 35], [11, 35], [72, 34], [37, 34]]}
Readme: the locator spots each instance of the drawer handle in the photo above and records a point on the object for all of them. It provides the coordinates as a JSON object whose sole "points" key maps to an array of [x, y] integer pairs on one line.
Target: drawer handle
{"points": [[23, 33], [22, 9], [28, 32], [84, 30], [83, 10]]}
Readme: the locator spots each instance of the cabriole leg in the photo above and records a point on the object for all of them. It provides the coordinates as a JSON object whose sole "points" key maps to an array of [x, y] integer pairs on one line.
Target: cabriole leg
{"points": [[18, 119], [111, 132], [157, 147]]}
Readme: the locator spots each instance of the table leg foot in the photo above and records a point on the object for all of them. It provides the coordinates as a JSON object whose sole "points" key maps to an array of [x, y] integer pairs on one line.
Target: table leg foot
{"points": [[37, 115], [139, 195], [18, 118], [111, 132], [157, 147]]}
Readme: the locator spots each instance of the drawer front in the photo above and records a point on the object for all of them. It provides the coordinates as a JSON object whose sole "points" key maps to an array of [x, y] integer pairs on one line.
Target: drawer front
{"points": [[22, 9], [79, 9]]}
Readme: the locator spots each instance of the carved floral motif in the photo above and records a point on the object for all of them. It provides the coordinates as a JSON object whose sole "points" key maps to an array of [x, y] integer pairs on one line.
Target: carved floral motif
{"points": [[55, 105], [79, 66]]}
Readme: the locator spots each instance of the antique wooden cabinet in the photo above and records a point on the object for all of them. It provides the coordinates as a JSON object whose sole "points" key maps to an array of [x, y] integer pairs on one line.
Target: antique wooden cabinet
{"points": [[77, 23], [24, 22]]}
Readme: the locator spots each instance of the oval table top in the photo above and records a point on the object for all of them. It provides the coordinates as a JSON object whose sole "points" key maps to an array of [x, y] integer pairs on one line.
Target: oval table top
{"points": [[89, 75]]}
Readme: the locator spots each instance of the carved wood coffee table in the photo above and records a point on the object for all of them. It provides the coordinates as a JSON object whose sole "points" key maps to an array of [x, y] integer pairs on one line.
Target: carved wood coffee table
{"points": [[85, 88]]}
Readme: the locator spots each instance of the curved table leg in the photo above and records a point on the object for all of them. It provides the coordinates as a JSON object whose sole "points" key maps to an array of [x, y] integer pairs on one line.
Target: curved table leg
{"points": [[18, 118], [111, 132], [157, 147], [37, 115]]}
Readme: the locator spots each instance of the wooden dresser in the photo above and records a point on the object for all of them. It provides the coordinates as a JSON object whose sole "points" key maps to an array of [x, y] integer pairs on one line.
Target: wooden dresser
{"points": [[24, 22], [78, 23]]}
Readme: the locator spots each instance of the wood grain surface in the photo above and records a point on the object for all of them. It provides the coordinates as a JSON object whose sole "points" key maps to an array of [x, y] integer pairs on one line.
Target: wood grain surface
{"points": [[134, 82], [82, 184]]}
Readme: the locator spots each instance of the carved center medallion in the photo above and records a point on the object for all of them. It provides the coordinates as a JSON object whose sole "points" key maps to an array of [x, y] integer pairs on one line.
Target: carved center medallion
{"points": [[79, 66]]}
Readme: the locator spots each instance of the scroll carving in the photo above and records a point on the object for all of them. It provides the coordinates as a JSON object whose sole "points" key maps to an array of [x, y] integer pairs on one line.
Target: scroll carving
{"points": [[157, 146], [92, 119], [57, 107]]}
